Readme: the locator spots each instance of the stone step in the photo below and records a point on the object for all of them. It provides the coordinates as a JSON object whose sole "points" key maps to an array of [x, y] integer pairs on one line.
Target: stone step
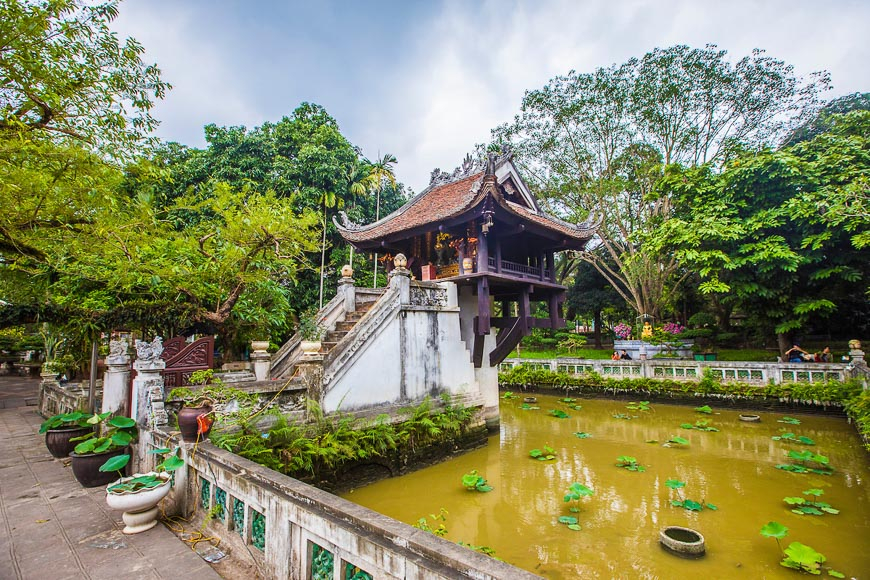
{"points": [[327, 346], [335, 335], [344, 326]]}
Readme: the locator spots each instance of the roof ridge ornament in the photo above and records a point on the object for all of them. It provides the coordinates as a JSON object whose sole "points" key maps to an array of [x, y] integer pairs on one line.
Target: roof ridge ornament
{"points": [[346, 222], [469, 167]]}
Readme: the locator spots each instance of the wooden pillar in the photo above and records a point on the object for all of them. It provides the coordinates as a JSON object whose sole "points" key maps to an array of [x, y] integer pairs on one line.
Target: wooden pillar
{"points": [[497, 255], [551, 266], [483, 307], [541, 266], [523, 310], [483, 254]]}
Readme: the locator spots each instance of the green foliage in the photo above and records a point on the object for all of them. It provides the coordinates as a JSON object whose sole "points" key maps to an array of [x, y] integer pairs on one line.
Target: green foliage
{"points": [[704, 409], [774, 530], [797, 556], [109, 433], [475, 482], [582, 435], [440, 519], [801, 557], [641, 406], [558, 413], [547, 454], [688, 504], [65, 420], [810, 507], [325, 443], [789, 420], [147, 481], [629, 463], [602, 139], [793, 438], [66, 75], [700, 425], [676, 441], [572, 343], [821, 467]]}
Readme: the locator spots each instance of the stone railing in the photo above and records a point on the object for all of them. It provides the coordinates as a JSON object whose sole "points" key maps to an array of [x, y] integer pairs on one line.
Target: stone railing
{"points": [[758, 373], [293, 530], [290, 352], [56, 398]]}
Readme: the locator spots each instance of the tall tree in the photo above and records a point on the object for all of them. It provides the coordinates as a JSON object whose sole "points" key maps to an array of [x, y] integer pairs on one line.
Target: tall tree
{"points": [[64, 74], [381, 172], [596, 143], [781, 234]]}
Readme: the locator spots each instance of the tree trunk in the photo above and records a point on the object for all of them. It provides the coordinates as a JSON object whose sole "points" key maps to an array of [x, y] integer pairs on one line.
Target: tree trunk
{"points": [[596, 322], [784, 342]]}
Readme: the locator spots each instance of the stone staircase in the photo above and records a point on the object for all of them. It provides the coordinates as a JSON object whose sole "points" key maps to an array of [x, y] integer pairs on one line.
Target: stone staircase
{"points": [[333, 337]]}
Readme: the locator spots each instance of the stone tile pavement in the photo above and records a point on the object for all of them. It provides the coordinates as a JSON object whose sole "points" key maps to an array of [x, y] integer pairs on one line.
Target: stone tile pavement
{"points": [[52, 527]]}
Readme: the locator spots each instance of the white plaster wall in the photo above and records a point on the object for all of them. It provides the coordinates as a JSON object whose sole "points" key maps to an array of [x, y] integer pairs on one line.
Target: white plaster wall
{"points": [[374, 374], [415, 354], [435, 359], [486, 377]]}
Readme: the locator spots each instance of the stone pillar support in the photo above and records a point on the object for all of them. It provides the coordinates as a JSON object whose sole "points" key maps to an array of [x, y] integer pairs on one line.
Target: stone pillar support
{"points": [[262, 360], [400, 278], [347, 289], [116, 379]]}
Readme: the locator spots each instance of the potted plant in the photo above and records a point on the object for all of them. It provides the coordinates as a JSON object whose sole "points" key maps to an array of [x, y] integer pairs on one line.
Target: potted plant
{"points": [[195, 417], [138, 495], [60, 429], [111, 437], [310, 331]]}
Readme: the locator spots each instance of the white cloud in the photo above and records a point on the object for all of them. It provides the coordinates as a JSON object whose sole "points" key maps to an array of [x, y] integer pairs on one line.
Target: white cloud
{"points": [[194, 62], [444, 82]]}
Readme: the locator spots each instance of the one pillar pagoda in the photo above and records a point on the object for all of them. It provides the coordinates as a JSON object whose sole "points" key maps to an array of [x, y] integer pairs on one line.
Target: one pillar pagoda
{"points": [[482, 229]]}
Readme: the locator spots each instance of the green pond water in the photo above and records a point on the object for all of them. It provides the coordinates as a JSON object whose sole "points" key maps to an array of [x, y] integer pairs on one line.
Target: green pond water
{"points": [[733, 469]]}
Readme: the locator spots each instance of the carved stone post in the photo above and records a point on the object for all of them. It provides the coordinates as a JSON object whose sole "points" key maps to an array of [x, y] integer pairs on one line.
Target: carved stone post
{"points": [[400, 278], [261, 359], [856, 355], [148, 385], [148, 409], [347, 289], [116, 379]]}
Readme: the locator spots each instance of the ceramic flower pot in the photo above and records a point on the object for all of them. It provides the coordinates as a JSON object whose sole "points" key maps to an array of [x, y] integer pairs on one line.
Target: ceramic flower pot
{"points": [[310, 346], [259, 345], [58, 440], [140, 506], [189, 425], [86, 467]]}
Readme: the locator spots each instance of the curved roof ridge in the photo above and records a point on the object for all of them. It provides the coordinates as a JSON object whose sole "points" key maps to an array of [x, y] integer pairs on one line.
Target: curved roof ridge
{"points": [[350, 226]]}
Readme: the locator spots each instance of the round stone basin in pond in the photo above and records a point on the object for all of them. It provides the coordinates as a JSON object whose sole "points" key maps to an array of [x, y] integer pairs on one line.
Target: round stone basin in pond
{"points": [[732, 469], [683, 541]]}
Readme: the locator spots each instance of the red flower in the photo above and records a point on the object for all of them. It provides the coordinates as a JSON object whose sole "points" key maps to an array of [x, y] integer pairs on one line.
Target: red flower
{"points": [[203, 424]]}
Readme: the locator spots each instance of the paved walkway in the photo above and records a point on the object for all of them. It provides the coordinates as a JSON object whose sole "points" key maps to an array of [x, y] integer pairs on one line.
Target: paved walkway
{"points": [[52, 527]]}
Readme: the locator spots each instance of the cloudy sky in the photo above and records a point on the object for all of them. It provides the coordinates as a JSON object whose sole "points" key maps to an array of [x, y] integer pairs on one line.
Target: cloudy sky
{"points": [[426, 80]]}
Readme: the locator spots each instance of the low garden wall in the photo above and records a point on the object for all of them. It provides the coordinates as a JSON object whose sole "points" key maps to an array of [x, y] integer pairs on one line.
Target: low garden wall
{"points": [[756, 373], [294, 530]]}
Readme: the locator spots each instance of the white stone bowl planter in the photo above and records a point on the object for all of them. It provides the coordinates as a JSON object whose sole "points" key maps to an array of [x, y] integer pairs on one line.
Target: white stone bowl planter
{"points": [[683, 541], [139, 507], [749, 418]]}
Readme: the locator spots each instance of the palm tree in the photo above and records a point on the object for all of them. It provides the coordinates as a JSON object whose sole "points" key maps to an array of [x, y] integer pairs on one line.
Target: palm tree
{"points": [[358, 183], [381, 171], [328, 199]]}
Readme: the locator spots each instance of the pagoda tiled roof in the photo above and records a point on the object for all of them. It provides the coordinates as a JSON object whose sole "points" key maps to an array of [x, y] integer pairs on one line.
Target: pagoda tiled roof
{"points": [[442, 201]]}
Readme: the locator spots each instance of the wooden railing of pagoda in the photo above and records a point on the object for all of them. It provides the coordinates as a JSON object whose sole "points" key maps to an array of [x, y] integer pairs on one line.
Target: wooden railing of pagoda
{"points": [[513, 269], [518, 270]]}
